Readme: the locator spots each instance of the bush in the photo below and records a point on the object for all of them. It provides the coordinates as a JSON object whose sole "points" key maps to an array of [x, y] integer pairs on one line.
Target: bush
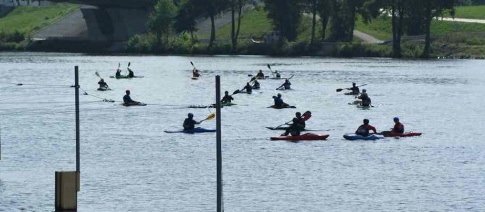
{"points": [[14, 36]]}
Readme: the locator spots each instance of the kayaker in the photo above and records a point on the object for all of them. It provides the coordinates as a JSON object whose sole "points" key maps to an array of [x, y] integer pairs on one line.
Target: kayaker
{"points": [[130, 73], [227, 98], [127, 99], [294, 129], [248, 88], [286, 85], [102, 84], [278, 101], [189, 123], [355, 90], [256, 84], [277, 75], [365, 98], [398, 126], [260, 75], [364, 129], [118, 73], [195, 73]]}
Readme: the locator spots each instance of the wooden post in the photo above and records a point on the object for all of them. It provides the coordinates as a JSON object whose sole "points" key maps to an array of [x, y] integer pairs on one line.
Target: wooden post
{"points": [[218, 144], [78, 165], [66, 191]]}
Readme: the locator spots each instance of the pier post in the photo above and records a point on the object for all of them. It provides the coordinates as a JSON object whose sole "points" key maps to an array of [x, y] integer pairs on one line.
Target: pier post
{"points": [[78, 160], [218, 144]]}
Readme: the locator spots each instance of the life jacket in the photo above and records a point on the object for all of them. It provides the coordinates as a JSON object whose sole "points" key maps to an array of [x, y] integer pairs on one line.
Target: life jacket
{"points": [[362, 130]]}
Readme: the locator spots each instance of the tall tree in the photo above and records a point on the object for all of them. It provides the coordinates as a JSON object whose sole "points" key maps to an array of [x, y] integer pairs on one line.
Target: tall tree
{"points": [[344, 13], [210, 8], [324, 11], [185, 18], [236, 6], [433, 8], [161, 19], [285, 15]]}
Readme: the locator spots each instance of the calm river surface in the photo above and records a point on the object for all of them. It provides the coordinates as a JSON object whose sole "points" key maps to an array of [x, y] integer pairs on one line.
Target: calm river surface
{"points": [[129, 164]]}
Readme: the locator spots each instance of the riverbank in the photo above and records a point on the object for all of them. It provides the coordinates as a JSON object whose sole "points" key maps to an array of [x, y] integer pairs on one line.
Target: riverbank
{"points": [[449, 39]]}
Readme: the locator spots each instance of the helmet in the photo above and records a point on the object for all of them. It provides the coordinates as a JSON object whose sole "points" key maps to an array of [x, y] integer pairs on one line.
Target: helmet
{"points": [[396, 119], [364, 90], [279, 95], [366, 121], [307, 112], [127, 91], [353, 83], [226, 92], [190, 115], [298, 114]]}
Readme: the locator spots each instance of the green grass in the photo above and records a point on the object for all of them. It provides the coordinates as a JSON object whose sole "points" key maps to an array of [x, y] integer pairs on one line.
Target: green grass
{"points": [[27, 19], [471, 12], [381, 27], [254, 24]]}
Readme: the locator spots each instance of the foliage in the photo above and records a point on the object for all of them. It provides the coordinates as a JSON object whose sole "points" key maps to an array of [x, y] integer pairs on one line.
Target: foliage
{"points": [[161, 19], [285, 16], [471, 12]]}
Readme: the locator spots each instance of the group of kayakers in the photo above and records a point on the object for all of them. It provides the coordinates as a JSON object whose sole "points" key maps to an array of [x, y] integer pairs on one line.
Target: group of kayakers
{"points": [[364, 96], [364, 129]]}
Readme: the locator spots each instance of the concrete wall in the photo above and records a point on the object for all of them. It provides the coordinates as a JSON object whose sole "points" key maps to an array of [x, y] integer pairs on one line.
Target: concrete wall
{"points": [[114, 24]]}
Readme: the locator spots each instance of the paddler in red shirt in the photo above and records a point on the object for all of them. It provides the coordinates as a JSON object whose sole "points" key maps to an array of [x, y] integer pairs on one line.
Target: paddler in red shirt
{"points": [[364, 129]]}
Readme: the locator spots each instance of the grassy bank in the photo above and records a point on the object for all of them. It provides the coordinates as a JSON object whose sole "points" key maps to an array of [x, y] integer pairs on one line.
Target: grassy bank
{"points": [[23, 21], [471, 12], [381, 27]]}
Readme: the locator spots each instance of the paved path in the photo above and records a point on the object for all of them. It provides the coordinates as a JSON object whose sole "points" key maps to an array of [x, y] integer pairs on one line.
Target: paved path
{"points": [[366, 37], [480, 21]]}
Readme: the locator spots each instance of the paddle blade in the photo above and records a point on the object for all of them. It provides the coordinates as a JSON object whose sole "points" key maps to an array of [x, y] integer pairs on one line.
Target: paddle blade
{"points": [[210, 116], [339, 89], [236, 92], [97, 74], [129, 63], [269, 66], [119, 64]]}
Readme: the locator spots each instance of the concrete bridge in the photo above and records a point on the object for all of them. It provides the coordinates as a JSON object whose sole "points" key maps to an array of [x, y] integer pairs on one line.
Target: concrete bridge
{"points": [[97, 25]]}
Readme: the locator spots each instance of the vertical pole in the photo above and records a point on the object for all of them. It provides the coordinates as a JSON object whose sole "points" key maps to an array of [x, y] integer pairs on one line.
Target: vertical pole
{"points": [[218, 142], [0, 142], [78, 165]]}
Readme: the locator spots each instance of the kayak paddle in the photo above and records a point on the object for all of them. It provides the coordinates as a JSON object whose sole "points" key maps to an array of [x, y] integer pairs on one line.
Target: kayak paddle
{"points": [[97, 74], [209, 117], [192, 64], [272, 73]]}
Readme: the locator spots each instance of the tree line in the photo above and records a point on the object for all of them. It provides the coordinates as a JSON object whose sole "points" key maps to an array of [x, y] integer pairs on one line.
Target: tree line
{"points": [[411, 17]]}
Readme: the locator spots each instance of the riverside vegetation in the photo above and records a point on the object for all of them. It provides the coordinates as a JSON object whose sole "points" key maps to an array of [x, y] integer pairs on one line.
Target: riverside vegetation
{"points": [[306, 27]]}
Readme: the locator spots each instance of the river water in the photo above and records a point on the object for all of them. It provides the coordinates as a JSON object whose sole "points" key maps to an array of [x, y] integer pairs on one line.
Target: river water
{"points": [[129, 164]]}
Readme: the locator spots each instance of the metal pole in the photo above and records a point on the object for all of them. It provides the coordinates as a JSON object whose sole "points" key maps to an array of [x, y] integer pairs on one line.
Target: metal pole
{"points": [[218, 142], [78, 163]]}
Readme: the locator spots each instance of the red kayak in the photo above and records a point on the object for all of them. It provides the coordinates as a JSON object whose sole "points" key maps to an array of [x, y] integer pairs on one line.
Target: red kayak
{"points": [[406, 134], [306, 136]]}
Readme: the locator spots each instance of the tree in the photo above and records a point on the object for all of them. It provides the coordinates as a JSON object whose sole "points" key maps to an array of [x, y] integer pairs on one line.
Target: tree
{"points": [[324, 8], [236, 5], [161, 19], [433, 8], [209, 8], [285, 15], [185, 18], [344, 13]]}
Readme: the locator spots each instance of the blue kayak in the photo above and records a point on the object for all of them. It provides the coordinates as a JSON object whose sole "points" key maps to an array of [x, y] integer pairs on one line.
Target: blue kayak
{"points": [[195, 130], [352, 136]]}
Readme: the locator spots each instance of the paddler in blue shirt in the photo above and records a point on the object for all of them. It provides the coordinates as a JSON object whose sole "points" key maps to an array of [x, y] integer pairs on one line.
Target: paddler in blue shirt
{"points": [[189, 123], [278, 101]]}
